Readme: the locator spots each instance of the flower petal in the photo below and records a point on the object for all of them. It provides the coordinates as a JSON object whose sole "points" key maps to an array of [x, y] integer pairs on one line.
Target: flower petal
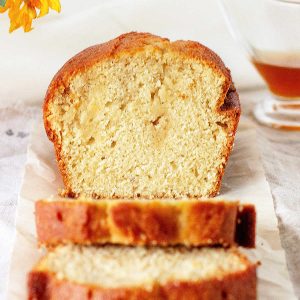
{"points": [[22, 12], [44, 9], [54, 4]]}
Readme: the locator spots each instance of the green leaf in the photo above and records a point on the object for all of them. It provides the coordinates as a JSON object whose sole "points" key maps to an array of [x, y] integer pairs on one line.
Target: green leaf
{"points": [[2, 3]]}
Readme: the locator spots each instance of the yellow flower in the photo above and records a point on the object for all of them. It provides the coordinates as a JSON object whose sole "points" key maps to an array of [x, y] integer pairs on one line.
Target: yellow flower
{"points": [[22, 17], [22, 12]]}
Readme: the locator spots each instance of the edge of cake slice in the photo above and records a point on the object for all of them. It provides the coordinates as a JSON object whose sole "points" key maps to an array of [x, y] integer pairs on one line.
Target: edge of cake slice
{"points": [[190, 222], [126, 273]]}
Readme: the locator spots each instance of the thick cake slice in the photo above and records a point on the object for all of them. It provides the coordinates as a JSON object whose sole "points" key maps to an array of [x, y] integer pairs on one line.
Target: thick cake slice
{"points": [[126, 273], [142, 116], [145, 222]]}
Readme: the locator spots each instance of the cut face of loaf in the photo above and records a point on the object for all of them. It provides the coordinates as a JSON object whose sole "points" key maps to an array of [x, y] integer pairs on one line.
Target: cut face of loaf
{"points": [[142, 116], [124, 273], [145, 222]]}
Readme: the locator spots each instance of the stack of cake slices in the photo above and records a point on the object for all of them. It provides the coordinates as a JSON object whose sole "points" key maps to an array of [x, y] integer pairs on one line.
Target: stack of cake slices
{"points": [[142, 130]]}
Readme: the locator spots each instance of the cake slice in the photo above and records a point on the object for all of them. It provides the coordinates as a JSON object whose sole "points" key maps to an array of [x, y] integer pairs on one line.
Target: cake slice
{"points": [[126, 273], [189, 222], [142, 116]]}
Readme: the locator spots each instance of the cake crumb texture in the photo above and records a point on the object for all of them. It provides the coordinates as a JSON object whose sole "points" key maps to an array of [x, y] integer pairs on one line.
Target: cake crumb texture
{"points": [[142, 116]]}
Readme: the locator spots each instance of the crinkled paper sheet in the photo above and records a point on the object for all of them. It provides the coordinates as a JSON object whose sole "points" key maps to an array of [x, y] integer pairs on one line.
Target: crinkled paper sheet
{"points": [[244, 180]]}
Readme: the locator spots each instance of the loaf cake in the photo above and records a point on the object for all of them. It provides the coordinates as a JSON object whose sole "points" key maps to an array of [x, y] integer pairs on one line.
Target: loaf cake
{"points": [[137, 122], [140, 116], [126, 273], [144, 222]]}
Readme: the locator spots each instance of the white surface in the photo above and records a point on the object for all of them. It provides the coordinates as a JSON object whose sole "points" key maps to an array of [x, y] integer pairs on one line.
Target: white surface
{"points": [[282, 164], [15, 127], [244, 180], [29, 61]]}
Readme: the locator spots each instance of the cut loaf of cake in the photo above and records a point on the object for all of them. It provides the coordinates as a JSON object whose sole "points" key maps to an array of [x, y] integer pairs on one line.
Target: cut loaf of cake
{"points": [[126, 273], [145, 222], [142, 116]]}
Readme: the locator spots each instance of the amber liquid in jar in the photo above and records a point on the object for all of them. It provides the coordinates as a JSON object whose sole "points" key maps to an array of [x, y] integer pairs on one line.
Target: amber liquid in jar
{"points": [[281, 73]]}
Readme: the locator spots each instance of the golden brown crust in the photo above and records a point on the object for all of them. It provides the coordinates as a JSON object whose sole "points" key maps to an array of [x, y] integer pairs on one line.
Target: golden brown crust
{"points": [[212, 222], [241, 285], [154, 224], [132, 42], [191, 223], [246, 229], [231, 107], [60, 222]]}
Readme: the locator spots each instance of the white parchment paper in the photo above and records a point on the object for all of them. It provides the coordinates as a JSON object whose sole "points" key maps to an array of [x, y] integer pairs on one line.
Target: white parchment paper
{"points": [[244, 180]]}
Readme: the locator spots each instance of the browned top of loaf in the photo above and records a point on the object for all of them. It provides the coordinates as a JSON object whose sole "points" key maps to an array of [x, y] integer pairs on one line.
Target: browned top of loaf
{"points": [[132, 42]]}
